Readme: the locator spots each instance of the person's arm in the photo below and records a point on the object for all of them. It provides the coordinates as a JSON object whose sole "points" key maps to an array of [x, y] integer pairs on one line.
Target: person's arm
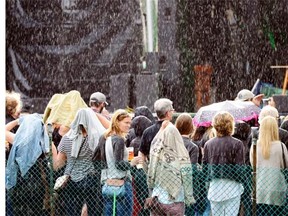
{"points": [[59, 158], [193, 153], [140, 154], [257, 99], [63, 130], [144, 146], [104, 121], [251, 155], [106, 114], [118, 151], [9, 136], [9, 126]]}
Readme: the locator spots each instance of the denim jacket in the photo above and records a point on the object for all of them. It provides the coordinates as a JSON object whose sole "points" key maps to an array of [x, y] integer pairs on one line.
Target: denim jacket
{"points": [[31, 140]]}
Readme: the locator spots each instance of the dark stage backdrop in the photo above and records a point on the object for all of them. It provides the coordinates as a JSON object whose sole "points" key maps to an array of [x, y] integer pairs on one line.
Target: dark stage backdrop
{"points": [[97, 45], [59, 45]]}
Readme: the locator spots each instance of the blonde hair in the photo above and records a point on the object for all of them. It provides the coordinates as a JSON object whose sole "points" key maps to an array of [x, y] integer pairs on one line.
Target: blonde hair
{"points": [[117, 117], [223, 122], [13, 103], [268, 132], [268, 111]]}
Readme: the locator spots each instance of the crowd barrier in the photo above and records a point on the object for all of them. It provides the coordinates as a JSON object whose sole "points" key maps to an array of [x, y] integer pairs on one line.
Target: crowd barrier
{"points": [[34, 194]]}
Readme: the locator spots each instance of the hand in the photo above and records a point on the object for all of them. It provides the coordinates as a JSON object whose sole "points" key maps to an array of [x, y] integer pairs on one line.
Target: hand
{"points": [[150, 192], [271, 102], [136, 160], [165, 124], [257, 99]]}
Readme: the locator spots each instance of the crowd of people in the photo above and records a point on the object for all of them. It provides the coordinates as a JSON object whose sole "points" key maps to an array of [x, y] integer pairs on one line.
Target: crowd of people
{"points": [[176, 168]]}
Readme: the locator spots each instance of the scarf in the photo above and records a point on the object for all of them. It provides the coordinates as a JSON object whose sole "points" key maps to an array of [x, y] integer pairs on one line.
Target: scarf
{"points": [[170, 165], [93, 127]]}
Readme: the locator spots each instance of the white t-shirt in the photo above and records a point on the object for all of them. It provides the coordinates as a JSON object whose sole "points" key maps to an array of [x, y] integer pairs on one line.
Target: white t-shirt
{"points": [[224, 189]]}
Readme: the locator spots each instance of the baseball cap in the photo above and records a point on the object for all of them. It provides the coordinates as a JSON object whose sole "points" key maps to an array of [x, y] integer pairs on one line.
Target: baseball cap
{"points": [[244, 95], [98, 97]]}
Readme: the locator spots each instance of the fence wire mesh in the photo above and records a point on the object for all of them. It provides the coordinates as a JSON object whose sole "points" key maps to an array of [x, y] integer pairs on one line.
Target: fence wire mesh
{"points": [[218, 190]]}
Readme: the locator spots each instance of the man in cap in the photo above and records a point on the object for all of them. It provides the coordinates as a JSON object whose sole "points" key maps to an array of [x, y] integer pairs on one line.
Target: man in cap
{"points": [[247, 95], [98, 103]]}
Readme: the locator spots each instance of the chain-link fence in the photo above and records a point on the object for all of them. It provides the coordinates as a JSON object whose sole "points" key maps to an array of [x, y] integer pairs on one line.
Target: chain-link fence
{"points": [[218, 190]]}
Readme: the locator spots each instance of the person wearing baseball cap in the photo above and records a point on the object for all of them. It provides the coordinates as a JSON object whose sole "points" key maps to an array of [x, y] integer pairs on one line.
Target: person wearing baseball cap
{"points": [[98, 103], [247, 95]]}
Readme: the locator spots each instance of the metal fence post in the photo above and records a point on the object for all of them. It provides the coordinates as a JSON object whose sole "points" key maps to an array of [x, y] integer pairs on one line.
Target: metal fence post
{"points": [[254, 183], [50, 130]]}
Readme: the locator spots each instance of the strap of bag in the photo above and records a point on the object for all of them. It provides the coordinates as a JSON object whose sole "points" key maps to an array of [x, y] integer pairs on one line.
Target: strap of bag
{"points": [[77, 155], [283, 156]]}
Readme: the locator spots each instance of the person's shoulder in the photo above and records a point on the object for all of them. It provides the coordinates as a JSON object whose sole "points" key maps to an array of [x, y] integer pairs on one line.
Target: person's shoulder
{"points": [[102, 138], [283, 131], [66, 138], [117, 138], [189, 143], [150, 128], [234, 139]]}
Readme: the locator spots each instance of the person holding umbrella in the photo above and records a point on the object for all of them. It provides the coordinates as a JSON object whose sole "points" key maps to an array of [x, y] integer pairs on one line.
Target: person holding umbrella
{"points": [[247, 95]]}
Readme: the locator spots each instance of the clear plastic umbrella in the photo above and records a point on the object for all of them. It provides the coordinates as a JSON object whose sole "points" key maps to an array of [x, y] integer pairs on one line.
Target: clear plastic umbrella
{"points": [[240, 110]]}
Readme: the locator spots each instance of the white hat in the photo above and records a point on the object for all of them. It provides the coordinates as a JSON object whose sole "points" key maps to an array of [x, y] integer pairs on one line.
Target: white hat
{"points": [[98, 97], [244, 95]]}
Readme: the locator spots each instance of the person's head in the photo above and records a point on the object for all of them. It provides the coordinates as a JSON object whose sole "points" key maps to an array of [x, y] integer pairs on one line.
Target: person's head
{"points": [[245, 95], [144, 111], [120, 123], [223, 123], [27, 108], [198, 133], [268, 111], [13, 104], [242, 130], [268, 132], [184, 124], [284, 124], [140, 123], [164, 109], [97, 101]]}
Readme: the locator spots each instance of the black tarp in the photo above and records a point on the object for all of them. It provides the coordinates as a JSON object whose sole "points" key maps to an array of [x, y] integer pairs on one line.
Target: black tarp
{"points": [[58, 45]]}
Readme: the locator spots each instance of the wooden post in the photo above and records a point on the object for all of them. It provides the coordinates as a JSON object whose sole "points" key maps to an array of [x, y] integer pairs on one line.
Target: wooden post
{"points": [[202, 84], [285, 78]]}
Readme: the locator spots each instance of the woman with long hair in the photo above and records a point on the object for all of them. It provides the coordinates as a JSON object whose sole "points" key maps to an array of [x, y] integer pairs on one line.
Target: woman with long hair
{"points": [[113, 154], [270, 181]]}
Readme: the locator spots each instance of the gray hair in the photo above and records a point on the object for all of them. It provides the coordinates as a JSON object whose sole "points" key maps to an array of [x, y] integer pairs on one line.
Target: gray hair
{"points": [[162, 106]]}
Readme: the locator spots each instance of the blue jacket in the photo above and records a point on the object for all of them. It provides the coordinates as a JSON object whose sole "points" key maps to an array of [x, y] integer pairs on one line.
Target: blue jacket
{"points": [[31, 140]]}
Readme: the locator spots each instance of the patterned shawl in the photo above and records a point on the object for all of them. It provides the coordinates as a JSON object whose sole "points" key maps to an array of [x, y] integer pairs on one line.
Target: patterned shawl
{"points": [[170, 165]]}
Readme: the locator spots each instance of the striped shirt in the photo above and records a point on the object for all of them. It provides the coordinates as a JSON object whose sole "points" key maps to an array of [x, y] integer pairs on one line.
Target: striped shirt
{"points": [[78, 167]]}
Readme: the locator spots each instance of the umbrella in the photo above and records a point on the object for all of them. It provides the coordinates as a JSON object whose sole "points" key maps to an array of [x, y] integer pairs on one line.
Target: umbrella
{"points": [[240, 110]]}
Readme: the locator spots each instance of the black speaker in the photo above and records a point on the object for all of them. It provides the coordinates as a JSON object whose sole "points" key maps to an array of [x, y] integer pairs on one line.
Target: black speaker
{"points": [[281, 103], [121, 91]]}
